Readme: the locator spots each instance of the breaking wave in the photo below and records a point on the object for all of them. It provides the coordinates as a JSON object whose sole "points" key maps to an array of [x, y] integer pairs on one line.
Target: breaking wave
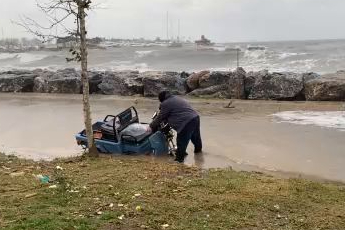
{"points": [[121, 65], [327, 119], [255, 54], [22, 57], [143, 53], [287, 55]]}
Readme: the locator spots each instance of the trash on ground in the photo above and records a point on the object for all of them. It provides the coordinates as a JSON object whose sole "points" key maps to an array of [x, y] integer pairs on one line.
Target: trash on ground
{"points": [[59, 168], [30, 195], [44, 179], [165, 226], [53, 186], [15, 174], [121, 217]]}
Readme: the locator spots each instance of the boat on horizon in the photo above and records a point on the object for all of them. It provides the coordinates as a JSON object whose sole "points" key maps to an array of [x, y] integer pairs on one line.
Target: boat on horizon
{"points": [[204, 43], [175, 44], [253, 48]]}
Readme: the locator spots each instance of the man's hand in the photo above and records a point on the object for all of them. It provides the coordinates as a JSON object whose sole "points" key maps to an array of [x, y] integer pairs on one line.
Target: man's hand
{"points": [[148, 129]]}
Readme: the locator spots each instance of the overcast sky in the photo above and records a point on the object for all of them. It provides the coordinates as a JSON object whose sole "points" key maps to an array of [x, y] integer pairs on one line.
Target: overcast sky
{"points": [[220, 20]]}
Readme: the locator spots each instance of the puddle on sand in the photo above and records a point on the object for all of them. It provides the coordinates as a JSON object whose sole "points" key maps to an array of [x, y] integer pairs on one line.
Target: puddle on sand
{"points": [[43, 127]]}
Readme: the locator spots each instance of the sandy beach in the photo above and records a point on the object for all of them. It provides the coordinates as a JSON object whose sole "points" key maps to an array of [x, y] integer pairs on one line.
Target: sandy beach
{"points": [[247, 137]]}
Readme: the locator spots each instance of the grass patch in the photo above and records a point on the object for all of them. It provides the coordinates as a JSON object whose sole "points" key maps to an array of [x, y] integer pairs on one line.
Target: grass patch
{"points": [[129, 193]]}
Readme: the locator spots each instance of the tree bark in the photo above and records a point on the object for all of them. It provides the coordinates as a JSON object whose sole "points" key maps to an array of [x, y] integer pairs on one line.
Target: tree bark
{"points": [[85, 82]]}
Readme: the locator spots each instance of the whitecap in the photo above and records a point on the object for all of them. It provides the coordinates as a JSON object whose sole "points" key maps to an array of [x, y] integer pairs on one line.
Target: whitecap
{"points": [[4, 56], [219, 48], [31, 57], [120, 66], [254, 54], [143, 53], [287, 55], [328, 119]]}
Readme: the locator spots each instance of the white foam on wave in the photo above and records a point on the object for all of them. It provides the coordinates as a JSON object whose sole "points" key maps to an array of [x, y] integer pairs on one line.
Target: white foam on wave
{"points": [[4, 56], [31, 57], [219, 48], [255, 54], [143, 53], [287, 55], [23, 57], [328, 119], [121, 65]]}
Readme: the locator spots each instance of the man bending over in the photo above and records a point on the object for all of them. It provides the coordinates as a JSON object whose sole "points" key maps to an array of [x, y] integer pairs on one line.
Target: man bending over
{"points": [[183, 119]]}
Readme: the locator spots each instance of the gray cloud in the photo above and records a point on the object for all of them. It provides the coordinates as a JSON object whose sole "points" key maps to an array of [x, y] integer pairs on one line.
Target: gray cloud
{"points": [[221, 20]]}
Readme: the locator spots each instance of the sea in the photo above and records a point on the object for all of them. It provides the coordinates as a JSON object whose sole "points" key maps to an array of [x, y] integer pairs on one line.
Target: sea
{"points": [[320, 56]]}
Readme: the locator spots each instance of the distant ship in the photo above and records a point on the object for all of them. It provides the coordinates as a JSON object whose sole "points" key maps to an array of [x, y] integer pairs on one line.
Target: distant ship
{"points": [[252, 48], [175, 44], [204, 43]]}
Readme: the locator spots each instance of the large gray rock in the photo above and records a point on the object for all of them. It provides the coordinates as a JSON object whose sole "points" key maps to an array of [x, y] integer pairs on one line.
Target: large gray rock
{"points": [[61, 81], [216, 91], [328, 87], [125, 83], [156, 81], [236, 84], [17, 81], [251, 78], [275, 86], [193, 80], [214, 78]]}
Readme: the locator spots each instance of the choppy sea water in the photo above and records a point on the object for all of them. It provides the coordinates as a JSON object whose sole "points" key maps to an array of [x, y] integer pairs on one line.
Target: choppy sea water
{"points": [[298, 56]]}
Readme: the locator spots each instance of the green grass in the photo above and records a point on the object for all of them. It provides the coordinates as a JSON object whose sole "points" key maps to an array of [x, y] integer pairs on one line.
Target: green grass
{"points": [[180, 196]]}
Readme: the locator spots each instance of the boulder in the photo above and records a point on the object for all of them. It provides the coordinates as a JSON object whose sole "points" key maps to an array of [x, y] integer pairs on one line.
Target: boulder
{"points": [[328, 87], [184, 75], [236, 84], [310, 76], [125, 83], [193, 80], [276, 86], [251, 78], [61, 81], [216, 91], [18, 81], [214, 78], [155, 81]]}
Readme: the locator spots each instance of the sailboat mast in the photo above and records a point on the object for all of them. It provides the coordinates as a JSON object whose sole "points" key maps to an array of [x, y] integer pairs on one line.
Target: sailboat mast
{"points": [[167, 25], [178, 36]]}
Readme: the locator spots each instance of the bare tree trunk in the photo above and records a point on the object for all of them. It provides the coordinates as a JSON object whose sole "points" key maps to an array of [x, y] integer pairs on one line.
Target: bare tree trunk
{"points": [[85, 82]]}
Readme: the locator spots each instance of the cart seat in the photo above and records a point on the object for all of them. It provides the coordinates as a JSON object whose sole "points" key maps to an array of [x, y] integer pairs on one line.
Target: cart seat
{"points": [[107, 127], [136, 132]]}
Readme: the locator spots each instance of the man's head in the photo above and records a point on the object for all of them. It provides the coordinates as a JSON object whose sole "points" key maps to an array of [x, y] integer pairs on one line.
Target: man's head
{"points": [[162, 96]]}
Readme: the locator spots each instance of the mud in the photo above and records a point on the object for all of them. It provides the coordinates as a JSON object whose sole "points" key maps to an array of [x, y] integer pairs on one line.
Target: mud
{"points": [[42, 126]]}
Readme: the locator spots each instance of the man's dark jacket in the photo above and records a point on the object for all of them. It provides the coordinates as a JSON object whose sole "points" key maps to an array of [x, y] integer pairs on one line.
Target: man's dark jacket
{"points": [[176, 111]]}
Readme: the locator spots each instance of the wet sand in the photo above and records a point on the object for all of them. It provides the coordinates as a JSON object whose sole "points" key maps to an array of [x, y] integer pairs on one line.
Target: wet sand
{"points": [[42, 126]]}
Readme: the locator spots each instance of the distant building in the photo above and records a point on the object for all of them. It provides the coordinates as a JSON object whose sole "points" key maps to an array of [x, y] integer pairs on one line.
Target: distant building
{"points": [[66, 42], [95, 41]]}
